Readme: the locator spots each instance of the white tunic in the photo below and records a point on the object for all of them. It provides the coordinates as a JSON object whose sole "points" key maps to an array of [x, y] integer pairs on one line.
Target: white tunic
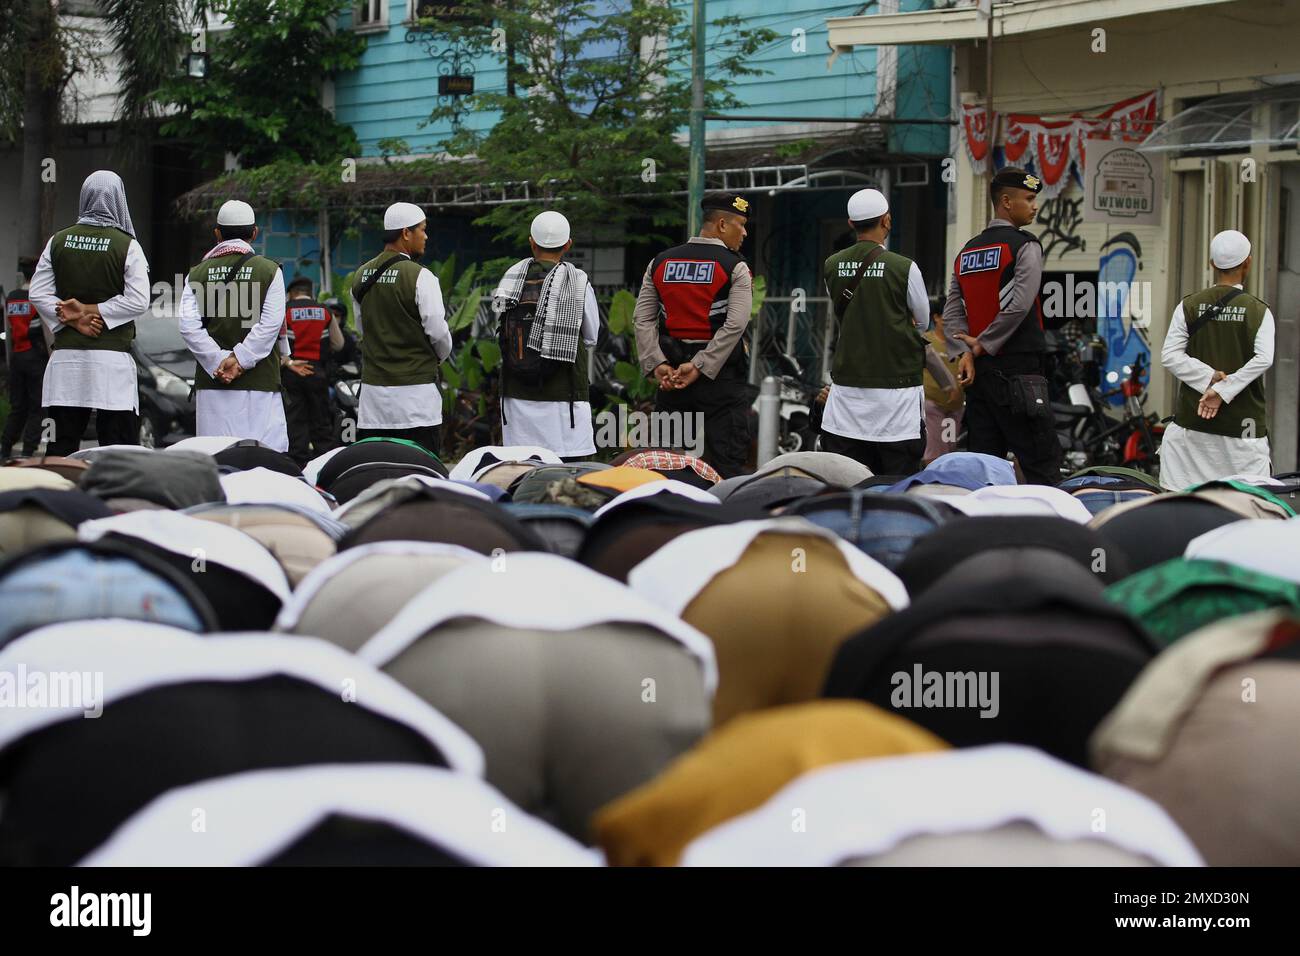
{"points": [[244, 413], [409, 406], [1189, 457], [93, 378], [883, 414], [547, 423]]}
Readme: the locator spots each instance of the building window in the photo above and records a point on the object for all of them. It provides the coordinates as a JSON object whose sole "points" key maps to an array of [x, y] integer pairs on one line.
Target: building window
{"points": [[370, 16]]}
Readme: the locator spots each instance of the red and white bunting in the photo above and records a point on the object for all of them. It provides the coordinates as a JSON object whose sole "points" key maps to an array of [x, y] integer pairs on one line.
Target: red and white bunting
{"points": [[1052, 144]]}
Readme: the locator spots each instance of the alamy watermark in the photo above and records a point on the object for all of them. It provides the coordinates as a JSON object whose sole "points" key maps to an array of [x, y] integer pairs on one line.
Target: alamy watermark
{"points": [[946, 689], [624, 428], [52, 690]]}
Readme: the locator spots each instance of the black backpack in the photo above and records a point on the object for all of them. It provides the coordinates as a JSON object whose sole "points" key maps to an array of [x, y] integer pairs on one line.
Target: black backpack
{"points": [[516, 325], [520, 362]]}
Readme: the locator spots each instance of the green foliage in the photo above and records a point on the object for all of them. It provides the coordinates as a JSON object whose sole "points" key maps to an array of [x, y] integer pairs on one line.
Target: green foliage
{"points": [[261, 97], [760, 293], [639, 388], [592, 125]]}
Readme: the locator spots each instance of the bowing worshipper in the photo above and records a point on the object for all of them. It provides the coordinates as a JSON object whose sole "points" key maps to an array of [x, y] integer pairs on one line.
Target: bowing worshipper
{"points": [[91, 284], [231, 316], [1219, 345], [404, 337], [548, 319]]}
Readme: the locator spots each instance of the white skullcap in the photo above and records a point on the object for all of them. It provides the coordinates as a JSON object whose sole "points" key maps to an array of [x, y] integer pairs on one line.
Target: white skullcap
{"points": [[550, 229], [403, 215], [235, 212], [1229, 249], [867, 204]]}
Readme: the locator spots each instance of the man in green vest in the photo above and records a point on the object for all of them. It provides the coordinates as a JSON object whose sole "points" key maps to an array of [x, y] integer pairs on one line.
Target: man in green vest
{"points": [[875, 410], [231, 316], [402, 323], [91, 284], [1219, 344]]}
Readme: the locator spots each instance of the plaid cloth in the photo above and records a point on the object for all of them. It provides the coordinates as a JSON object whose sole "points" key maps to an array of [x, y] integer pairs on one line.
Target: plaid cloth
{"points": [[228, 248], [670, 461], [560, 304]]}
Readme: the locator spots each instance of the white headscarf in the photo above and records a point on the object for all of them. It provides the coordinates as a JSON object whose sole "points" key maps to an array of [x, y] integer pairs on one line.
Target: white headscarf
{"points": [[103, 202]]}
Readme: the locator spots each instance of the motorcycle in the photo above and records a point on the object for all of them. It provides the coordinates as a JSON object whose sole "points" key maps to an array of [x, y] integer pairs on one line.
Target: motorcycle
{"points": [[800, 414], [1088, 433]]}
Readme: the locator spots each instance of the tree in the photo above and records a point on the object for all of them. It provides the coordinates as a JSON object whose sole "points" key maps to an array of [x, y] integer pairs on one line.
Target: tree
{"points": [[261, 97], [41, 51], [596, 93]]}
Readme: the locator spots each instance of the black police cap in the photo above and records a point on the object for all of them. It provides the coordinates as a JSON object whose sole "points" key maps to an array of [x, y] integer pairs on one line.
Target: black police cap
{"points": [[728, 202], [1017, 177]]}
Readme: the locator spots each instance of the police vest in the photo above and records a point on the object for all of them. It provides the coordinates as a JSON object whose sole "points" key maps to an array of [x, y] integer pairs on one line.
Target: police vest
{"points": [[307, 321], [230, 309], [22, 314], [694, 282], [985, 270], [90, 265]]}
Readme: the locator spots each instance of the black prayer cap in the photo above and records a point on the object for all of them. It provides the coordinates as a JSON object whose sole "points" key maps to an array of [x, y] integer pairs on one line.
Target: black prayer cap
{"points": [[1017, 177], [728, 202]]}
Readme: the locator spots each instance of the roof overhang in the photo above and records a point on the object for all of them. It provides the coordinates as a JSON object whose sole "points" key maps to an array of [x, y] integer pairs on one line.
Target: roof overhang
{"points": [[1229, 122], [966, 25]]}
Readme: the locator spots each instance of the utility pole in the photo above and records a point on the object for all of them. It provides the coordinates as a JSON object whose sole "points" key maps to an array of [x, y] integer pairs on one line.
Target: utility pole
{"points": [[695, 186], [988, 83]]}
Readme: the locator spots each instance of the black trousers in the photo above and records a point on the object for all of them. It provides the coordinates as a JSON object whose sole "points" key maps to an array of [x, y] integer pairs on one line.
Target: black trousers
{"points": [[996, 426], [724, 403], [901, 458], [428, 437], [307, 413], [26, 373], [111, 428]]}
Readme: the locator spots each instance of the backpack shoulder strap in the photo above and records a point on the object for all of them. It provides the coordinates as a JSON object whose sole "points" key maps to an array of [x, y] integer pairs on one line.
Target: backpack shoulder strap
{"points": [[1209, 314], [360, 291], [846, 295], [233, 270]]}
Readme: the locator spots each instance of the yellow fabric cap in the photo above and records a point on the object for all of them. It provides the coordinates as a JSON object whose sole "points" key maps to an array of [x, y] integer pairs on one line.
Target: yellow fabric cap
{"points": [[739, 767], [620, 478]]}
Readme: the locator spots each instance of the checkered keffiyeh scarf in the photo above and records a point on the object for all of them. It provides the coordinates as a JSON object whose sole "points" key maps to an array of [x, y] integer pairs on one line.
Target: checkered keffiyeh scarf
{"points": [[671, 461], [560, 304], [228, 248]]}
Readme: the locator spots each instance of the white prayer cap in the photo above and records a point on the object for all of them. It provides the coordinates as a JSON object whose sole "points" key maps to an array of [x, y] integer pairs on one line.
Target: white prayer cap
{"points": [[550, 229], [403, 215], [867, 204], [1229, 249], [235, 212]]}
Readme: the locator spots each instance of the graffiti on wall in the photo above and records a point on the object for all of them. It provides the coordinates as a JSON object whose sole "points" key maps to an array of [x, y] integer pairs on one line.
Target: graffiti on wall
{"points": [[1121, 259], [1061, 220]]}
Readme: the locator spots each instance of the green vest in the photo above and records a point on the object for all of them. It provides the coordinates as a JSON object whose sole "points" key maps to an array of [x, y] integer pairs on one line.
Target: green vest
{"points": [[878, 345], [90, 266], [1226, 344], [230, 311], [394, 347], [561, 381]]}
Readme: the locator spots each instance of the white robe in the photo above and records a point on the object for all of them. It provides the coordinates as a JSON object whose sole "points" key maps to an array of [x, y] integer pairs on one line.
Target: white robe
{"points": [[93, 378]]}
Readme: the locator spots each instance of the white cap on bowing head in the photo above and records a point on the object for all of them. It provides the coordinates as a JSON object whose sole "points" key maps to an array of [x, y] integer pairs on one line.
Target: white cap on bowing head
{"points": [[550, 229], [235, 212], [1229, 249], [867, 204], [403, 215]]}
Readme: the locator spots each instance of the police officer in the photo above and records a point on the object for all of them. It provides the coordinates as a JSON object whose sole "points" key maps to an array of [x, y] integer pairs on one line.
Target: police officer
{"points": [[994, 320], [306, 387], [402, 322], [701, 293], [874, 411], [27, 352]]}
